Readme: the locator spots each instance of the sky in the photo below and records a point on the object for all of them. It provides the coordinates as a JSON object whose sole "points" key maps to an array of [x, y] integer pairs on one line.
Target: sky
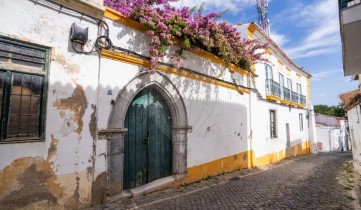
{"points": [[307, 30]]}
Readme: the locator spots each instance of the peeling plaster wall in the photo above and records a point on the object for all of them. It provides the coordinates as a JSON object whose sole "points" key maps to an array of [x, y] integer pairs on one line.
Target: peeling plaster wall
{"points": [[57, 172], [70, 167]]}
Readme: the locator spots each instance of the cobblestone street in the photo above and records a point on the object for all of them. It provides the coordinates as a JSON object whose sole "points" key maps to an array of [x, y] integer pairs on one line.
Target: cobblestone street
{"points": [[306, 182]]}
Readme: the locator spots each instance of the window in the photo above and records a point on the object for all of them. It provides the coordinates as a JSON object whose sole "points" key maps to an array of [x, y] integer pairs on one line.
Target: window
{"points": [[289, 84], [301, 121], [269, 77], [282, 83], [23, 76], [299, 90], [269, 73], [273, 126]]}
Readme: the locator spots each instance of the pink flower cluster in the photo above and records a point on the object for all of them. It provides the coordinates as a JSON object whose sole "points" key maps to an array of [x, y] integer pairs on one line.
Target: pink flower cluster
{"points": [[191, 29]]}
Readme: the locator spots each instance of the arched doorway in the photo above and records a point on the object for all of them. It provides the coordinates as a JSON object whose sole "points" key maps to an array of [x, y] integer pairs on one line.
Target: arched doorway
{"points": [[148, 142], [117, 130]]}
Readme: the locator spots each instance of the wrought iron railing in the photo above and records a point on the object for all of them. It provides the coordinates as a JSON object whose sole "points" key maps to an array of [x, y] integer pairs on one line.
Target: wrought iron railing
{"points": [[348, 3], [302, 99], [294, 97], [286, 94], [273, 88]]}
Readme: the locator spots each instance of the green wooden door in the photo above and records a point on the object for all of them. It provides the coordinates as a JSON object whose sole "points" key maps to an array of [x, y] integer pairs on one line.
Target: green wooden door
{"points": [[148, 142]]}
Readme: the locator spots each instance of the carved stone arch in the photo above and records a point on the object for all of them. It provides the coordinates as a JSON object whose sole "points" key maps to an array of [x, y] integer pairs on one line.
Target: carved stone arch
{"points": [[116, 126]]}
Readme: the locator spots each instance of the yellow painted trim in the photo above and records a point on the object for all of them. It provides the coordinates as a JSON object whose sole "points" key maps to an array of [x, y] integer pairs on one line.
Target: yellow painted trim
{"points": [[118, 17], [285, 102], [301, 105], [243, 160], [268, 51], [299, 75], [272, 98], [280, 62], [118, 56], [288, 69], [213, 168], [302, 149], [309, 88], [250, 31]]}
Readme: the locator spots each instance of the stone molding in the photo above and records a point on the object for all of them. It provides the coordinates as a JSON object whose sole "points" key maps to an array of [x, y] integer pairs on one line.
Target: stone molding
{"points": [[117, 117]]}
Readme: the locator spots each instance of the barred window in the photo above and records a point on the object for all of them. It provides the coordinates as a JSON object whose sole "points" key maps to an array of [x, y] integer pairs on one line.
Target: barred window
{"points": [[23, 76]]}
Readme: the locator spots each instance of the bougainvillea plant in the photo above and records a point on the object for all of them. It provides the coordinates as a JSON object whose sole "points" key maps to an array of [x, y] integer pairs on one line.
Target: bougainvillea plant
{"points": [[191, 29]]}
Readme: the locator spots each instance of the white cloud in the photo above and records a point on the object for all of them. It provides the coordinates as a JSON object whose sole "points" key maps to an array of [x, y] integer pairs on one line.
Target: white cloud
{"points": [[323, 74], [322, 28], [218, 5], [315, 52], [280, 39]]}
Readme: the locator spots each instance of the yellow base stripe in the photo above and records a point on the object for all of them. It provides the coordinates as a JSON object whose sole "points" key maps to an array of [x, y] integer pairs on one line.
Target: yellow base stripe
{"points": [[241, 161], [145, 63], [217, 167], [299, 149]]}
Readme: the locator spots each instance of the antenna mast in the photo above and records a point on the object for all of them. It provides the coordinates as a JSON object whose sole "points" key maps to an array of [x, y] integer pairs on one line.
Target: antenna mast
{"points": [[263, 21]]}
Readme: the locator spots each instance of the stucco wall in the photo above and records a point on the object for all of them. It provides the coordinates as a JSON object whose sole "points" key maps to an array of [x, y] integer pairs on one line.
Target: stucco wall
{"points": [[354, 116], [228, 131], [262, 142], [63, 164]]}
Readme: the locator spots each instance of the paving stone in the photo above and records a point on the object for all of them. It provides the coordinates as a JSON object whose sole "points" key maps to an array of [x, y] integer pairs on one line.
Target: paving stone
{"points": [[306, 182]]}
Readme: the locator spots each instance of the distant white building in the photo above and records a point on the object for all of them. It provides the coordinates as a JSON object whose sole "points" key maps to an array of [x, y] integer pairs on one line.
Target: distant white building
{"points": [[331, 133]]}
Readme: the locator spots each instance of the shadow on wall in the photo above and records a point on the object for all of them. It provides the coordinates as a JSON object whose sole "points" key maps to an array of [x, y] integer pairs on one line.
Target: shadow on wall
{"points": [[61, 170], [140, 43]]}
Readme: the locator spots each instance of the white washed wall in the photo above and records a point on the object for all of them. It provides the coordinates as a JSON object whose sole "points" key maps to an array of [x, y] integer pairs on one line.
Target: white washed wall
{"points": [[72, 163], [354, 116]]}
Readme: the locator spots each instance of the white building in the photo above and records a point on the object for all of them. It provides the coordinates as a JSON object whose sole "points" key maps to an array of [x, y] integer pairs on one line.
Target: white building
{"points": [[95, 125], [331, 133], [350, 24]]}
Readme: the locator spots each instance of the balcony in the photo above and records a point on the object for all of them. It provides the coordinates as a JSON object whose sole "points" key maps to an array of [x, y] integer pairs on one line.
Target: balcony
{"points": [[275, 92], [286, 94], [350, 22], [302, 99], [294, 97], [273, 88]]}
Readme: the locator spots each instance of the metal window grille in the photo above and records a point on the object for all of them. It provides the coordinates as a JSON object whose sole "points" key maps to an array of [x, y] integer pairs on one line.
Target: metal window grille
{"points": [[22, 92]]}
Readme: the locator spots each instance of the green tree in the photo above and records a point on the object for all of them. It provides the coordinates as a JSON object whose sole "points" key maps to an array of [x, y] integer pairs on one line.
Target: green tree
{"points": [[336, 111]]}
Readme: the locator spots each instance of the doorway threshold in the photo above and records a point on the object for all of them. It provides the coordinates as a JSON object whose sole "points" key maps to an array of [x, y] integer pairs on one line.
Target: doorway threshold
{"points": [[147, 188]]}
